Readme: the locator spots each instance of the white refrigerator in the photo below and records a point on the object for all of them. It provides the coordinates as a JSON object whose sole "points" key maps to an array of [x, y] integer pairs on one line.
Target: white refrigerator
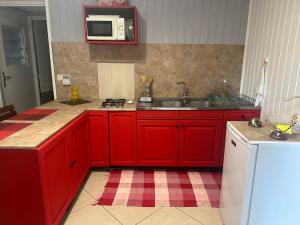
{"points": [[261, 178]]}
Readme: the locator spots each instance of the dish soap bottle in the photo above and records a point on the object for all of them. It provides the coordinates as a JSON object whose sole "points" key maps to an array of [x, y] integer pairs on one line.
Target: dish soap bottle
{"points": [[225, 89], [74, 95]]}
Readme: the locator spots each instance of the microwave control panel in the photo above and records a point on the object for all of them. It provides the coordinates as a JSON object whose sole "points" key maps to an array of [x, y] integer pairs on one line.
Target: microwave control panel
{"points": [[121, 28]]}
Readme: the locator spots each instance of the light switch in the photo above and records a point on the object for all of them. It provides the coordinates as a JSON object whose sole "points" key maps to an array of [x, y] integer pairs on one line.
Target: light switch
{"points": [[66, 80]]}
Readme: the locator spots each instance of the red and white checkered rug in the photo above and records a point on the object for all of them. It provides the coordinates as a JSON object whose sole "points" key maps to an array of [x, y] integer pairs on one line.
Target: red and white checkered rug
{"points": [[162, 188]]}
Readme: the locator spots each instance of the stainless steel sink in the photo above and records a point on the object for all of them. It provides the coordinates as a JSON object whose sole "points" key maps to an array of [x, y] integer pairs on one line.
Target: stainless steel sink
{"points": [[198, 103], [180, 103], [188, 103], [171, 103]]}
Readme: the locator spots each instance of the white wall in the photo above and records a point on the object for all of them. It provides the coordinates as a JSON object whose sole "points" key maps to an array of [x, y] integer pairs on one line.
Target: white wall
{"points": [[22, 2], [164, 21], [273, 32]]}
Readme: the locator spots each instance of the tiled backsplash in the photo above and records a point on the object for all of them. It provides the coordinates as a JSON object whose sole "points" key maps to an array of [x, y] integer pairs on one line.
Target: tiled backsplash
{"points": [[202, 67]]}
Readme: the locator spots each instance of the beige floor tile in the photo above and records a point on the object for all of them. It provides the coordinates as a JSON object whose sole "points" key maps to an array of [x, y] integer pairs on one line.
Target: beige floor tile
{"points": [[96, 182], [206, 216], [169, 216], [131, 215], [82, 200], [91, 215]]}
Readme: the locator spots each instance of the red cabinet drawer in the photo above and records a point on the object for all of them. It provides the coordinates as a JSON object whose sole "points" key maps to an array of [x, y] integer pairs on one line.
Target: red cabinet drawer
{"points": [[167, 115], [200, 114], [240, 114]]}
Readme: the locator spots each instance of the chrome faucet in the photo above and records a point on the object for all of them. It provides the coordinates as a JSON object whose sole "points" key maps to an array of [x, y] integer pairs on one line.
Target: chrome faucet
{"points": [[184, 94], [184, 90]]}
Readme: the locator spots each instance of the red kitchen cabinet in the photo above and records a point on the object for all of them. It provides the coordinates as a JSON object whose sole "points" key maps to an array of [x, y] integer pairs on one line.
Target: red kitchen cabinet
{"points": [[20, 190], [54, 177], [157, 142], [127, 12], [199, 143], [78, 153], [98, 138], [122, 138]]}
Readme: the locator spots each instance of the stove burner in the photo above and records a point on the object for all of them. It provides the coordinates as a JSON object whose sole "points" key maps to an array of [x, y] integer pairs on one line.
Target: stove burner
{"points": [[116, 103]]}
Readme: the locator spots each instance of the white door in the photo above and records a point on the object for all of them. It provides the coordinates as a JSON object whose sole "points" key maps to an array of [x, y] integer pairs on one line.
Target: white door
{"points": [[16, 72]]}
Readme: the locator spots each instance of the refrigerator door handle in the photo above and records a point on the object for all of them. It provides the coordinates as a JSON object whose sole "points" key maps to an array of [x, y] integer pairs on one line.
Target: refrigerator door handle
{"points": [[233, 143], [238, 136]]}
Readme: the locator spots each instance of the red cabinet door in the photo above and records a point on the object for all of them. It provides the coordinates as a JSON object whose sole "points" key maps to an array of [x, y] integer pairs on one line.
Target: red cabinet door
{"points": [[122, 138], [200, 143], [157, 142], [54, 176], [78, 152], [98, 138]]}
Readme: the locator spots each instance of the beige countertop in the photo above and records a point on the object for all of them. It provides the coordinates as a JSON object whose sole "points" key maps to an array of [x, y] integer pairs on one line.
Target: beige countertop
{"points": [[37, 133], [257, 135]]}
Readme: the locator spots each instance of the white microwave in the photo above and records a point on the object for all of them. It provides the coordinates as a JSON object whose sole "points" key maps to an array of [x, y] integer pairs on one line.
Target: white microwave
{"points": [[105, 27]]}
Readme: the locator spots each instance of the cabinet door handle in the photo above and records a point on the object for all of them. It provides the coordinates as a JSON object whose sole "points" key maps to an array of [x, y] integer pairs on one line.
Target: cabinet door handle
{"points": [[72, 163], [233, 143]]}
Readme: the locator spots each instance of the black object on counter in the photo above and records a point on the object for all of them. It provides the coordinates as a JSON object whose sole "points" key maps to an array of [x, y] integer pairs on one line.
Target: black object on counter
{"points": [[278, 134], [78, 102], [255, 122]]}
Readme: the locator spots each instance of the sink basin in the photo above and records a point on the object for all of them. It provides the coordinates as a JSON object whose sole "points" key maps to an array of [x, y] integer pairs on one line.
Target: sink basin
{"points": [[181, 103], [198, 103], [170, 103]]}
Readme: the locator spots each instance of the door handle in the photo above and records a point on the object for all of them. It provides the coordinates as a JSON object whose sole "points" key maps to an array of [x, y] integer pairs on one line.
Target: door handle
{"points": [[5, 78]]}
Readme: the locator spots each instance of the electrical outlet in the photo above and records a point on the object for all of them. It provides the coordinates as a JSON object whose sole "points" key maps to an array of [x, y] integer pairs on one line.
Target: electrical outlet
{"points": [[60, 77]]}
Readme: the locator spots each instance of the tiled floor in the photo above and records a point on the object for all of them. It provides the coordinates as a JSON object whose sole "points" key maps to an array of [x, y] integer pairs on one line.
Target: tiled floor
{"points": [[84, 213]]}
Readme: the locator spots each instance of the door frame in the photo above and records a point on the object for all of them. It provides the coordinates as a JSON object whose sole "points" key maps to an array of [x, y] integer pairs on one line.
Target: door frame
{"points": [[33, 56], [38, 3]]}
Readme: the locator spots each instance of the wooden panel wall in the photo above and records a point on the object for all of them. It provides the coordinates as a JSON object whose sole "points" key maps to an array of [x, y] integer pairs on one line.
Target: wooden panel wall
{"points": [[273, 32], [165, 21]]}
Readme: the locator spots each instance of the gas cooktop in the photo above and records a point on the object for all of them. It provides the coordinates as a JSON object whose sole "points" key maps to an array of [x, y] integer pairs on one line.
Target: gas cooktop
{"points": [[113, 103]]}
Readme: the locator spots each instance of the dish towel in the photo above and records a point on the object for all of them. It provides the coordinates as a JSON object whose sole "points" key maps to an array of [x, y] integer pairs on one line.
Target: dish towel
{"points": [[261, 89]]}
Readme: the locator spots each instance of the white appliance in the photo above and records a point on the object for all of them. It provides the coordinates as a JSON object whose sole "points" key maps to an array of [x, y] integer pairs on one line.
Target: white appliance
{"points": [[105, 27], [261, 180]]}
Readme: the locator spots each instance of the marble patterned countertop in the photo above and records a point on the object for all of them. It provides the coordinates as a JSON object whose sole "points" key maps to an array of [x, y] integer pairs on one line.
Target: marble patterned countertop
{"points": [[34, 135]]}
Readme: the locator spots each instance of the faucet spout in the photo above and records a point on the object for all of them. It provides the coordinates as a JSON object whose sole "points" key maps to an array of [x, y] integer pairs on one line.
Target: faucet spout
{"points": [[184, 89]]}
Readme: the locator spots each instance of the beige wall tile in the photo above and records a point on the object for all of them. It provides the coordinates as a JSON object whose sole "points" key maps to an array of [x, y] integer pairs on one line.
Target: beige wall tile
{"points": [[116, 80], [203, 67]]}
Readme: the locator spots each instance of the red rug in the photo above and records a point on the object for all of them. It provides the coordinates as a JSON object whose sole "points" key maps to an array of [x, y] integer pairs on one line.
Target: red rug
{"points": [[33, 114], [161, 188]]}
